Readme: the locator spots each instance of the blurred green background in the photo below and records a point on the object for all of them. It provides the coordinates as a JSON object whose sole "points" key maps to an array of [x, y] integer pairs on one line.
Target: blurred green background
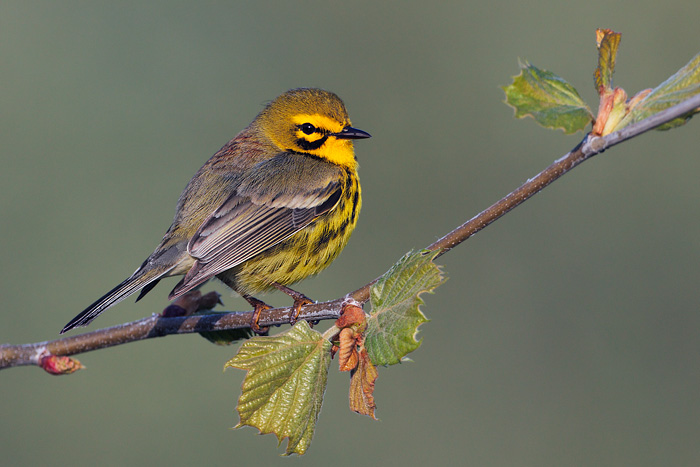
{"points": [[567, 333]]}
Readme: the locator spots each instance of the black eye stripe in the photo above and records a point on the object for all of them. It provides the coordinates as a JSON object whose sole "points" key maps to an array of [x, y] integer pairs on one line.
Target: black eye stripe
{"points": [[310, 145]]}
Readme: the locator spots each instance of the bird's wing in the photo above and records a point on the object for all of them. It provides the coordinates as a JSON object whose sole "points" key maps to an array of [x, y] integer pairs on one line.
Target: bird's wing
{"points": [[250, 222]]}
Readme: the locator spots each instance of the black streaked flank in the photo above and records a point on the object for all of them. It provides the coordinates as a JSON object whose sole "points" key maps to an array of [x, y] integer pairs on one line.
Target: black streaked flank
{"points": [[293, 265], [348, 183], [325, 238], [355, 200], [344, 225]]}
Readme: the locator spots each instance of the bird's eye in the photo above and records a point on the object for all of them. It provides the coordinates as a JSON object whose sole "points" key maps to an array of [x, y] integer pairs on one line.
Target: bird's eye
{"points": [[308, 128]]}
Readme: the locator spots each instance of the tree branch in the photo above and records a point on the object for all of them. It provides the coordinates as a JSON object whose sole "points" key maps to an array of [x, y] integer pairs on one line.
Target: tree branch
{"points": [[157, 326]]}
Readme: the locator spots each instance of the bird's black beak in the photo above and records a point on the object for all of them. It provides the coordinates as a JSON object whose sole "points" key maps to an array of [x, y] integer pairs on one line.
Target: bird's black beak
{"points": [[351, 133]]}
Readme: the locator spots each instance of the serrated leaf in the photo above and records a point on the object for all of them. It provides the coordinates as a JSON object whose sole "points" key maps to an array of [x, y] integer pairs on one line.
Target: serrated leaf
{"points": [[683, 85], [395, 298], [283, 390], [608, 42], [547, 98]]}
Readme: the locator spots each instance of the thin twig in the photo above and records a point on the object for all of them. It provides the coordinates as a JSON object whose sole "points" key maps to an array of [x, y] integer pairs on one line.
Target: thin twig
{"points": [[156, 326]]}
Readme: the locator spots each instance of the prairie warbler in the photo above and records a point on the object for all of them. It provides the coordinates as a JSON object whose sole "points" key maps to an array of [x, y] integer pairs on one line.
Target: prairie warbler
{"points": [[276, 204]]}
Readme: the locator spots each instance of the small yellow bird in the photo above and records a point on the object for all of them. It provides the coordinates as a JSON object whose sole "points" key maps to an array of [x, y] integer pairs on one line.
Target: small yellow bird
{"points": [[275, 205]]}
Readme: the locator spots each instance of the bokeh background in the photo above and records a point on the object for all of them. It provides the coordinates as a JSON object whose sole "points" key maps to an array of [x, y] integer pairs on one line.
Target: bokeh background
{"points": [[567, 333]]}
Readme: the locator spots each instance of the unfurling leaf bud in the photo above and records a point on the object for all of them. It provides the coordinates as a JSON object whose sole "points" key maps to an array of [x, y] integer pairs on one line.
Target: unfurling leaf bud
{"points": [[60, 364]]}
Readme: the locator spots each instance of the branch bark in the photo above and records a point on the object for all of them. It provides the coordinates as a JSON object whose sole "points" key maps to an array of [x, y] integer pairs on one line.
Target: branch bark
{"points": [[156, 326]]}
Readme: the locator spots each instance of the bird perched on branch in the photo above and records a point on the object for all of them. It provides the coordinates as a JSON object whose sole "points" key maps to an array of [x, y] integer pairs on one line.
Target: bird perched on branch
{"points": [[273, 206]]}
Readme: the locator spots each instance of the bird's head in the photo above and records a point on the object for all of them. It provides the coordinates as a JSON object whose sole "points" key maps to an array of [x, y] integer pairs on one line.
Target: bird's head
{"points": [[311, 121]]}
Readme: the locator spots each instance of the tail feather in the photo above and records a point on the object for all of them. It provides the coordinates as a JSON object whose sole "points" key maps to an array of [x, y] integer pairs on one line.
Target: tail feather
{"points": [[147, 289], [140, 279]]}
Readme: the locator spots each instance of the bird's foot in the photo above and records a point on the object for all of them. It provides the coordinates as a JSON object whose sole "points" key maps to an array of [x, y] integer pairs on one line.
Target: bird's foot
{"points": [[296, 308], [299, 300], [259, 307]]}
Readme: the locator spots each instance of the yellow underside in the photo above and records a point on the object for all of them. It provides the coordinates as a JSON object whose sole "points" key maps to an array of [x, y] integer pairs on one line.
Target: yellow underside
{"points": [[305, 253]]}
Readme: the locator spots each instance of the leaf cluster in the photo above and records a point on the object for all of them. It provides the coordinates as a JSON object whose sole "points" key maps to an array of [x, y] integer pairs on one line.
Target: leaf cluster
{"points": [[556, 104], [286, 375]]}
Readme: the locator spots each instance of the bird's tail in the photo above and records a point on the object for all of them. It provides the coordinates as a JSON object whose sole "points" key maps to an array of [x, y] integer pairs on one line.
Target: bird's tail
{"points": [[141, 279]]}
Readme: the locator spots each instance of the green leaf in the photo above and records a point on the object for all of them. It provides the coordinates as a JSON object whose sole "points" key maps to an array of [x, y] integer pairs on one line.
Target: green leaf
{"points": [[283, 390], [395, 298], [683, 85], [547, 98], [608, 43]]}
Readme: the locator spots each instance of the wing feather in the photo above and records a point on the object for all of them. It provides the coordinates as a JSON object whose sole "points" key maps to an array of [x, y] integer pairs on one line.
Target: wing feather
{"points": [[243, 227]]}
